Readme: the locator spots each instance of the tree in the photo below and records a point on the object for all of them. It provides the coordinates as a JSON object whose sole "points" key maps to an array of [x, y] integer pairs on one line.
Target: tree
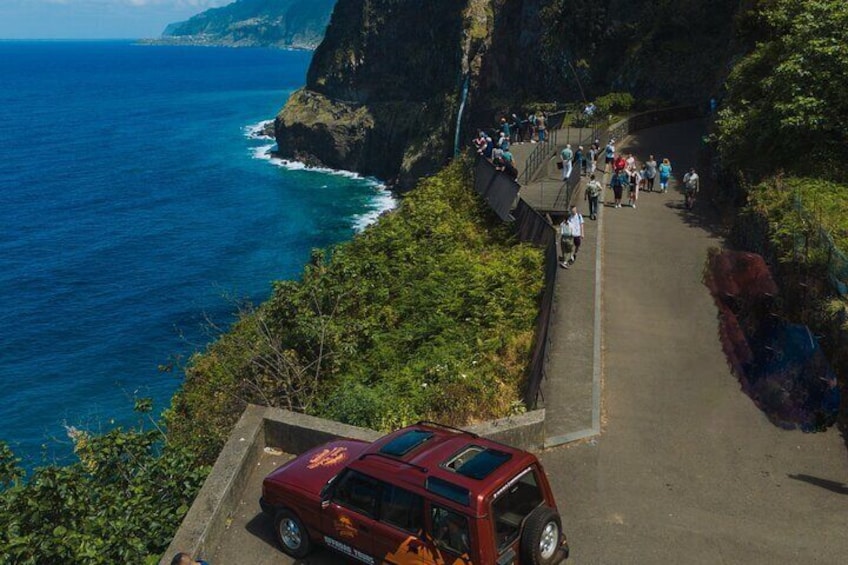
{"points": [[786, 103]]}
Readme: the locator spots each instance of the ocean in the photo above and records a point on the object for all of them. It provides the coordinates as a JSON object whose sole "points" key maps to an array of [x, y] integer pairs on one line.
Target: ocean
{"points": [[138, 208]]}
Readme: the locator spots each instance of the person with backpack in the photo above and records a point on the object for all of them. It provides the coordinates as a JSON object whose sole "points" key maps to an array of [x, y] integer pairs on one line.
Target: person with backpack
{"points": [[593, 195]]}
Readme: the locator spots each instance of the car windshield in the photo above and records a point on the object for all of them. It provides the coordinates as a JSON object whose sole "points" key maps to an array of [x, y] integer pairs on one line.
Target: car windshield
{"points": [[512, 504]]}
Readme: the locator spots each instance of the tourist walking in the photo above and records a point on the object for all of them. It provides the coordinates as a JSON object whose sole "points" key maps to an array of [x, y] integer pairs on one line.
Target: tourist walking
{"points": [[609, 154], [691, 186], [665, 174], [593, 158], [593, 195], [506, 130], [619, 164], [618, 183], [650, 172], [580, 160], [573, 226], [631, 162], [567, 156], [635, 179], [541, 126]]}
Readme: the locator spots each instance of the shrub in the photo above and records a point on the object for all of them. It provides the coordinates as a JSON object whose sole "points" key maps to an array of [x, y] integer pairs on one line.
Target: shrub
{"points": [[428, 314]]}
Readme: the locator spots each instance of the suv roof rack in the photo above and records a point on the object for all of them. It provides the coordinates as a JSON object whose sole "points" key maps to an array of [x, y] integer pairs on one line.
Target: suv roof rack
{"points": [[445, 426], [421, 468]]}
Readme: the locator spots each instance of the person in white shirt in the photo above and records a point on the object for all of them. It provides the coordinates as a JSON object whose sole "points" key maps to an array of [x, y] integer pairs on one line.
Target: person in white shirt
{"points": [[572, 227], [691, 185]]}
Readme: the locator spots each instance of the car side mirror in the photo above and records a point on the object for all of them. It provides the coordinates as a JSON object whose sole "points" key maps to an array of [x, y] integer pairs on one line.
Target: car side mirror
{"points": [[327, 493]]}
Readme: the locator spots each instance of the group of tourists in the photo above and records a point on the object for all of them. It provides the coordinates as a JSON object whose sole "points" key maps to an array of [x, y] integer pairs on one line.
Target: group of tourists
{"points": [[494, 144], [585, 162], [626, 174], [496, 152]]}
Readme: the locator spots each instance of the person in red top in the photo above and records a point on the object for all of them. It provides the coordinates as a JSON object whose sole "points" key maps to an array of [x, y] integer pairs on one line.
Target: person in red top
{"points": [[619, 164]]}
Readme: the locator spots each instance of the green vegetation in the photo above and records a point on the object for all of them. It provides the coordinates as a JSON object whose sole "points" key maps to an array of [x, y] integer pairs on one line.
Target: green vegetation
{"points": [[782, 128], [797, 210], [120, 503], [428, 314], [786, 103]]}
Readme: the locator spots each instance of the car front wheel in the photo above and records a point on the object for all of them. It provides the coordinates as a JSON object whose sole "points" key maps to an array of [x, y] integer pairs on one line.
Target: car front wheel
{"points": [[291, 534], [542, 537]]}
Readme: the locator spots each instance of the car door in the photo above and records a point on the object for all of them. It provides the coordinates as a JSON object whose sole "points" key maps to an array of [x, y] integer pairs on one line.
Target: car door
{"points": [[347, 522], [399, 531]]}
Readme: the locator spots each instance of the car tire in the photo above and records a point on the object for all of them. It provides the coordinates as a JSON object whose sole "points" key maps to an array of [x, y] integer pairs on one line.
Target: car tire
{"points": [[291, 534], [542, 537]]}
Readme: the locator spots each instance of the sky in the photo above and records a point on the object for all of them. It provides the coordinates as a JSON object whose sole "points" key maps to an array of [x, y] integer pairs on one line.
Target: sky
{"points": [[95, 19]]}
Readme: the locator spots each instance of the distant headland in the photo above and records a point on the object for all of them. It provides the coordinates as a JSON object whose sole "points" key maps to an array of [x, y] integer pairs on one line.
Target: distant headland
{"points": [[285, 24]]}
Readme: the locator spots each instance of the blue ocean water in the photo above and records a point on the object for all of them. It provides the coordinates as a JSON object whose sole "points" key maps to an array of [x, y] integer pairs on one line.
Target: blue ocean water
{"points": [[135, 205]]}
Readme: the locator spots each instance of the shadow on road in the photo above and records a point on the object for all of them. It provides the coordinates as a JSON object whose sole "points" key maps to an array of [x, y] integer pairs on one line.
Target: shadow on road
{"points": [[702, 215], [833, 486]]}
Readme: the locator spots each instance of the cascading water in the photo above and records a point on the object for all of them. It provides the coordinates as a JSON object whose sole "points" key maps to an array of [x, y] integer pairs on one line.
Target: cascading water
{"points": [[459, 115]]}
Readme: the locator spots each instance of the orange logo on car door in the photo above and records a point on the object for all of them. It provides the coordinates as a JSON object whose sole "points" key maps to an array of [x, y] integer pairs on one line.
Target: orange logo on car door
{"points": [[415, 552], [345, 527]]}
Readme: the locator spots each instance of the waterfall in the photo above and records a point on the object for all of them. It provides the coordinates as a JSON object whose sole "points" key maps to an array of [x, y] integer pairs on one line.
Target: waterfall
{"points": [[459, 116]]}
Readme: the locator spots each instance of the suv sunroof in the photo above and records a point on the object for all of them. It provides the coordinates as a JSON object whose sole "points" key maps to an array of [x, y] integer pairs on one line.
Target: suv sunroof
{"points": [[405, 443], [476, 462]]}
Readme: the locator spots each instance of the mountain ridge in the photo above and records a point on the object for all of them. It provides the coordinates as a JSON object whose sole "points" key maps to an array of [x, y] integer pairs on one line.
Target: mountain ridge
{"points": [[292, 24]]}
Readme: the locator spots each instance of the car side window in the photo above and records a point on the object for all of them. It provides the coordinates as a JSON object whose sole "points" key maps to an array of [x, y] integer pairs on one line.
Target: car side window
{"points": [[450, 530], [514, 504], [402, 509], [357, 492]]}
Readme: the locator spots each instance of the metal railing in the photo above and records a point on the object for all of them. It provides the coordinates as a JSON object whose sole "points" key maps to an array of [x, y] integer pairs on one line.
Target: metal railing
{"points": [[532, 227], [539, 155]]}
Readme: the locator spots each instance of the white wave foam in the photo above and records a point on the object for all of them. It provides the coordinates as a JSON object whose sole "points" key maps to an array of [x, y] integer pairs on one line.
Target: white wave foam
{"points": [[257, 131], [263, 152], [382, 201]]}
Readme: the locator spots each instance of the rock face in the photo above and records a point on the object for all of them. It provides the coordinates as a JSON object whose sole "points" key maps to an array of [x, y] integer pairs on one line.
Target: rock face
{"points": [[384, 87], [296, 24]]}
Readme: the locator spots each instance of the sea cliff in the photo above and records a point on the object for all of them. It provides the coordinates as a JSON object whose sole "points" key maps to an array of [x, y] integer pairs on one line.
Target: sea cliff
{"points": [[384, 87]]}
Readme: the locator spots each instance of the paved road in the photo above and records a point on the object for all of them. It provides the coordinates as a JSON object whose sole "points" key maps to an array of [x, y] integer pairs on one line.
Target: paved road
{"points": [[687, 469]]}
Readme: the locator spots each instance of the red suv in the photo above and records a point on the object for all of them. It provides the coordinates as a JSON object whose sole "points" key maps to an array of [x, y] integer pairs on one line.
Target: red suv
{"points": [[425, 494]]}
